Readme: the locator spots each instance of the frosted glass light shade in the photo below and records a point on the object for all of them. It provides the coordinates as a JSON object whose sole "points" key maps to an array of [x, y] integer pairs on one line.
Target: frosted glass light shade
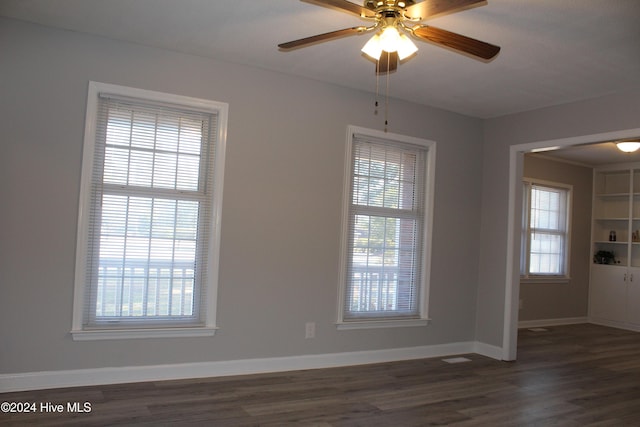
{"points": [[373, 47], [406, 47], [628, 147], [390, 40]]}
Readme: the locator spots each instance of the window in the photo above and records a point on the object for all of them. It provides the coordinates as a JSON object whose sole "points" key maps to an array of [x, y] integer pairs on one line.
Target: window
{"points": [[545, 240], [386, 233], [148, 229]]}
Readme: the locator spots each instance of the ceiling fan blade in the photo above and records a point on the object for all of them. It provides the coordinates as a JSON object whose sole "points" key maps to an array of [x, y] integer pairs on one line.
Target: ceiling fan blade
{"points": [[388, 62], [344, 6], [430, 8], [321, 37], [457, 42]]}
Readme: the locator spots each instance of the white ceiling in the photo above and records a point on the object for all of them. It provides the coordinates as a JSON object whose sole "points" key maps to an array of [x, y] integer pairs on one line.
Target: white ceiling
{"points": [[553, 51], [592, 155]]}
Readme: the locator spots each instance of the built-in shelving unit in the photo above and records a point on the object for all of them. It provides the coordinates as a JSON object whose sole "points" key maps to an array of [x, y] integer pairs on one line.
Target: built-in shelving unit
{"points": [[615, 282]]}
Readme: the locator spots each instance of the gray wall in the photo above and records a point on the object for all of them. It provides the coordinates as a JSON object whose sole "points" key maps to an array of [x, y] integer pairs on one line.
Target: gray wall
{"points": [[281, 211], [542, 301], [583, 119]]}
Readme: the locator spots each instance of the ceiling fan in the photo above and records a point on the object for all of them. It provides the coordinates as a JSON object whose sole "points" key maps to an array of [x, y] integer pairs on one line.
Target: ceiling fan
{"points": [[391, 21]]}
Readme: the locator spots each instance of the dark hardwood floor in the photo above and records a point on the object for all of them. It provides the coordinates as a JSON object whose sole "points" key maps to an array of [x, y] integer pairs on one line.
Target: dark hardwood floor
{"points": [[578, 375]]}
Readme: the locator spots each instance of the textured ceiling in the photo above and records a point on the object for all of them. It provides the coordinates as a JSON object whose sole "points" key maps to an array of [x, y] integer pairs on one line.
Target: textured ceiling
{"points": [[553, 51]]}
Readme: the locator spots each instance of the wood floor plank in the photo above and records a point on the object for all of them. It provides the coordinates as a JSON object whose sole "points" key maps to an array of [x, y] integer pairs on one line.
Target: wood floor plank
{"points": [[574, 375]]}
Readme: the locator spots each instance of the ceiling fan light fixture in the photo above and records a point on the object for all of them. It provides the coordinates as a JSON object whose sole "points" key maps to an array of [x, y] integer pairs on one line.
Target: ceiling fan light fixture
{"points": [[390, 39], [406, 48], [373, 48], [628, 146]]}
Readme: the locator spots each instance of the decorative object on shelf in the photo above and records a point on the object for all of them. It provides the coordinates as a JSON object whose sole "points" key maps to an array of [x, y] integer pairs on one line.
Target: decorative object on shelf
{"points": [[612, 236], [604, 257], [635, 236]]}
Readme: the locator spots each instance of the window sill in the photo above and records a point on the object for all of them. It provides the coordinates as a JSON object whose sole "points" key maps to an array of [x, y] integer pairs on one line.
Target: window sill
{"points": [[556, 279], [373, 324], [116, 334]]}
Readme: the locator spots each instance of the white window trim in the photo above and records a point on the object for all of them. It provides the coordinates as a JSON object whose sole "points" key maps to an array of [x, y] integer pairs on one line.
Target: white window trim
{"points": [[221, 110], [525, 277], [424, 319]]}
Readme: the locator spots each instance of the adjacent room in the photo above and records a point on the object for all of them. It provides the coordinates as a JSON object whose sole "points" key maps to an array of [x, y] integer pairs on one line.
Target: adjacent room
{"points": [[319, 212]]}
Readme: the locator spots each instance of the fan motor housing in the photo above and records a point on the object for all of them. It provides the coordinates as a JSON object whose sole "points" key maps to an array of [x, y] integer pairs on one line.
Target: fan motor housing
{"points": [[388, 4]]}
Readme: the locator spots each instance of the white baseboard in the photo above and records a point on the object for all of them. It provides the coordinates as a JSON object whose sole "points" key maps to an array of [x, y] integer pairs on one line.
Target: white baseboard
{"points": [[552, 322], [614, 324], [488, 350], [118, 375]]}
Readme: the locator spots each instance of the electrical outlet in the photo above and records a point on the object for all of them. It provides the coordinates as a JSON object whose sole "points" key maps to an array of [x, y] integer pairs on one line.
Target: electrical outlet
{"points": [[310, 330]]}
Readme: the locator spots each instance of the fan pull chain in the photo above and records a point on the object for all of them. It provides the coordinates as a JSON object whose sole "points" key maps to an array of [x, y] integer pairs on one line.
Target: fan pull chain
{"points": [[375, 111], [386, 96]]}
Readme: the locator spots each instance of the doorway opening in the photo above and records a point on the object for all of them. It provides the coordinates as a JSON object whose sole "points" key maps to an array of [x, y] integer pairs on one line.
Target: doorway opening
{"points": [[514, 224]]}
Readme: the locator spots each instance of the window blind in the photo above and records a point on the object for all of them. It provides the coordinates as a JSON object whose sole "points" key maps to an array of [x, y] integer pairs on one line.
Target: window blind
{"points": [[548, 230], [385, 227], [545, 230], [151, 215]]}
